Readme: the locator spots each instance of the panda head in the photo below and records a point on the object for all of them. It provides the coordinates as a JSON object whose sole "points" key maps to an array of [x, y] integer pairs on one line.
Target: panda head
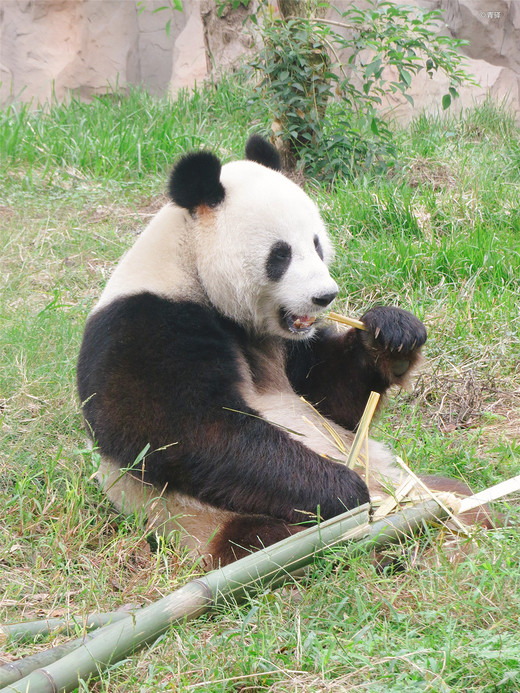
{"points": [[260, 247]]}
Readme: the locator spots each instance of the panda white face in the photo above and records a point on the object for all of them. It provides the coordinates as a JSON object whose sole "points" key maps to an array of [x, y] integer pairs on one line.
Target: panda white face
{"points": [[262, 253]]}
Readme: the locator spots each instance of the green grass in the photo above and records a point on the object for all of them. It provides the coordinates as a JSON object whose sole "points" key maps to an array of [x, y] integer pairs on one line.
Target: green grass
{"points": [[439, 236]]}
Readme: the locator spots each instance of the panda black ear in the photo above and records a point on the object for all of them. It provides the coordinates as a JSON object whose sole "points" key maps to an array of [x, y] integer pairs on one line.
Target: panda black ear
{"points": [[263, 152], [195, 180]]}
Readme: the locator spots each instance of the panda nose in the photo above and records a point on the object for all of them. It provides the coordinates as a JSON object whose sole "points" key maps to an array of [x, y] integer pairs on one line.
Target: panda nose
{"points": [[324, 299]]}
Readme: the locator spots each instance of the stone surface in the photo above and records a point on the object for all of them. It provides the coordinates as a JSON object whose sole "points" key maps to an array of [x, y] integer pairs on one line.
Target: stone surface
{"points": [[227, 35], [189, 55], [492, 29], [86, 46], [89, 47]]}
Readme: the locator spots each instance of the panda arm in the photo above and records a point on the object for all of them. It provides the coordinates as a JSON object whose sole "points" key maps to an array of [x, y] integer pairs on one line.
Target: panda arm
{"points": [[167, 374], [337, 371]]}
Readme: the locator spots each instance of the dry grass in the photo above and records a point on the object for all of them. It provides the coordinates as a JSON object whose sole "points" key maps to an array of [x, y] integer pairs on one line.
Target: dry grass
{"points": [[465, 400], [435, 174]]}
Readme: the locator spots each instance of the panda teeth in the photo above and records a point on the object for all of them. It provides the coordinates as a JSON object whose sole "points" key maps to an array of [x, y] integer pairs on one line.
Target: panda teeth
{"points": [[297, 324], [301, 322]]}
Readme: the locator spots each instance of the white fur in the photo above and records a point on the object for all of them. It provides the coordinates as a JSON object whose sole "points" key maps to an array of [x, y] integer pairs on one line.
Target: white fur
{"points": [[167, 511], [160, 261], [278, 404], [261, 208]]}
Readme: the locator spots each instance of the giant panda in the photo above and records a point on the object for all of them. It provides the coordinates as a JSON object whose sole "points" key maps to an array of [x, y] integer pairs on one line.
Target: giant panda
{"points": [[201, 360]]}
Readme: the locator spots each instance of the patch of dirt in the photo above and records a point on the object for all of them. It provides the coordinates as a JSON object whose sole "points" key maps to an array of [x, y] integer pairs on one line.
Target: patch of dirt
{"points": [[6, 211], [437, 175], [133, 218]]}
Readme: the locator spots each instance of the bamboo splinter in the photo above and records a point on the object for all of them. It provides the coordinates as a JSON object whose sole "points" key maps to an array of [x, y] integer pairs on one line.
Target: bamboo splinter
{"points": [[362, 431]]}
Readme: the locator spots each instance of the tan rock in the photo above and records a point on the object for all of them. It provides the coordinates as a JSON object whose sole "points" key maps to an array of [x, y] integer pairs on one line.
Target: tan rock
{"points": [[492, 29], [189, 56], [91, 46], [228, 36], [85, 46], [500, 82]]}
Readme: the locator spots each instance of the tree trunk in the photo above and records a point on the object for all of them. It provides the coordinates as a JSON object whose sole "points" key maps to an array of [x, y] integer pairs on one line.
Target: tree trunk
{"points": [[227, 36]]}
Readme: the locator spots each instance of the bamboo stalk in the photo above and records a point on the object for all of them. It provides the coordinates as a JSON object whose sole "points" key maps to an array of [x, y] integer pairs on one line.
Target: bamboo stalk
{"points": [[490, 494], [395, 528], [451, 512], [271, 566], [351, 322], [115, 641], [30, 631], [14, 671], [392, 501]]}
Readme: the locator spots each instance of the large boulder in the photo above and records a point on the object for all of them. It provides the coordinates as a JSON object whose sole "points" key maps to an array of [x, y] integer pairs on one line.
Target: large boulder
{"points": [[53, 47]]}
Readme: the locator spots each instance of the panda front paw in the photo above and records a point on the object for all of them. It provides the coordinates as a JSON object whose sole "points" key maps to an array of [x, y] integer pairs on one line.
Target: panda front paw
{"points": [[394, 336]]}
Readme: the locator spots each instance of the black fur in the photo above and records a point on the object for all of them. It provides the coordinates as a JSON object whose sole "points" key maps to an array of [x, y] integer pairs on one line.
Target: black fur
{"points": [[261, 151], [241, 535], [325, 299], [153, 371], [393, 330], [278, 261], [337, 371], [318, 247], [195, 180]]}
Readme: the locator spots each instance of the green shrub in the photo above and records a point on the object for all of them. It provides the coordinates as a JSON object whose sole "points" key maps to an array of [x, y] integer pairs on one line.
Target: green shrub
{"points": [[303, 77]]}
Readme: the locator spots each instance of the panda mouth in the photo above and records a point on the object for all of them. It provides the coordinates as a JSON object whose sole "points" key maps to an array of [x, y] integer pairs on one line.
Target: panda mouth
{"points": [[297, 324]]}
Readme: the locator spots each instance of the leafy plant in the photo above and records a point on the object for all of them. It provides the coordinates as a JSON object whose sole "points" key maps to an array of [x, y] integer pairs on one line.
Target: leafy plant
{"points": [[223, 5], [303, 67]]}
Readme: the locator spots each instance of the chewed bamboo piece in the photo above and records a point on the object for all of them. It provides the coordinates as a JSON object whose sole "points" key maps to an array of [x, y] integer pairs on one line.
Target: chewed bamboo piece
{"points": [[452, 511], [351, 322], [336, 438], [362, 431], [391, 502]]}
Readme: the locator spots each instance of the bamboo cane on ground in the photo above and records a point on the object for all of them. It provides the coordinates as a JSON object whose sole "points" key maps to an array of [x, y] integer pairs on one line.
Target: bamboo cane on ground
{"points": [[31, 631], [269, 567]]}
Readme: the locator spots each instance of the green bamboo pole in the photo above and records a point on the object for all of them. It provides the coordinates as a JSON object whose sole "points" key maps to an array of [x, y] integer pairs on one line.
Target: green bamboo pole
{"points": [[270, 566], [31, 631], [395, 529], [14, 671]]}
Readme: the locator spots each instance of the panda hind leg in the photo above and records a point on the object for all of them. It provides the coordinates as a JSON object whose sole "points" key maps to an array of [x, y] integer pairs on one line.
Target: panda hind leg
{"points": [[241, 535], [483, 515]]}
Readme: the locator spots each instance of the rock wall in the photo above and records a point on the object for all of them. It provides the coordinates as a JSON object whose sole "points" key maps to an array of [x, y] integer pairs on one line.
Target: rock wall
{"points": [[52, 47], [492, 29]]}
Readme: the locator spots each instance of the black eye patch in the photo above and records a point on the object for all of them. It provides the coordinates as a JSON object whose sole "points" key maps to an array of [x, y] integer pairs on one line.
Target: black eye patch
{"points": [[318, 247], [278, 261]]}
